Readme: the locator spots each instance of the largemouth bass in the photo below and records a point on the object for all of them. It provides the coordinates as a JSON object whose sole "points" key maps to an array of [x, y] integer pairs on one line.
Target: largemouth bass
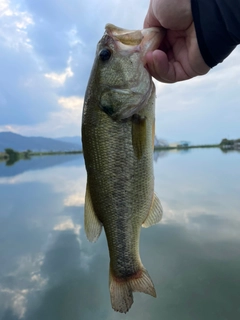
{"points": [[118, 137]]}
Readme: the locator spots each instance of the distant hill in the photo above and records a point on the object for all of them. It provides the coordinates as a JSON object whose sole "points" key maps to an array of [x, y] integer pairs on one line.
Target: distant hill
{"points": [[19, 143], [74, 139]]}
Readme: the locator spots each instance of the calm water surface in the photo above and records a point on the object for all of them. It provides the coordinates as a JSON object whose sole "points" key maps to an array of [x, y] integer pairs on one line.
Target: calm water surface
{"points": [[49, 271]]}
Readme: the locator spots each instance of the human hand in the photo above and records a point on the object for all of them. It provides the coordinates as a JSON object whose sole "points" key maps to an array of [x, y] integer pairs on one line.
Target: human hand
{"points": [[178, 57]]}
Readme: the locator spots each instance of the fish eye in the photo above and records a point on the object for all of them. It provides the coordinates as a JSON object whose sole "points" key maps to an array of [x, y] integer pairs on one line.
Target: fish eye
{"points": [[105, 54]]}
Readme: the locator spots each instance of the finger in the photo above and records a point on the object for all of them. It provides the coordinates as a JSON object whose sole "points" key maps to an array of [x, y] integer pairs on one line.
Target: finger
{"points": [[173, 14], [150, 19], [164, 70], [146, 21]]}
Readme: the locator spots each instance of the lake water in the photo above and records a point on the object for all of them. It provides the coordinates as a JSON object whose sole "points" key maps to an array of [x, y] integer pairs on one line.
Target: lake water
{"points": [[49, 271]]}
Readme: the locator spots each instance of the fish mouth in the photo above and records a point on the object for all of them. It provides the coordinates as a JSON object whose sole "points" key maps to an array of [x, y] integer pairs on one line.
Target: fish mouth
{"points": [[142, 41]]}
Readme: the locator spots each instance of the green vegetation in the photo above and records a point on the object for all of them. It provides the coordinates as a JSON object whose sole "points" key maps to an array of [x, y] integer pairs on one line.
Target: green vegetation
{"points": [[226, 142], [180, 147], [52, 153], [12, 156]]}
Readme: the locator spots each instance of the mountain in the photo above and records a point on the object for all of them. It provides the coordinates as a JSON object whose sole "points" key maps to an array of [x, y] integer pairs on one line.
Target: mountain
{"points": [[74, 139], [19, 143]]}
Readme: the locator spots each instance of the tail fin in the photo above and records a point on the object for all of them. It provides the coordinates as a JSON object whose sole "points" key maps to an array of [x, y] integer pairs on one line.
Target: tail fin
{"points": [[121, 290]]}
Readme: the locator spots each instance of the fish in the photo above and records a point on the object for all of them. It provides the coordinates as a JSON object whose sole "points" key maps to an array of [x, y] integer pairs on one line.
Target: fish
{"points": [[118, 130]]}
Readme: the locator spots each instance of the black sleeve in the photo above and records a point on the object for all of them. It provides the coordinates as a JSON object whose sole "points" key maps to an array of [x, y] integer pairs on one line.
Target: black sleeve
{"points": [[217, 24]]}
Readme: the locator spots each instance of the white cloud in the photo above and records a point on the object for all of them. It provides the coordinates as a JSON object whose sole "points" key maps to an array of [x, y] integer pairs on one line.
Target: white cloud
{"points": [[17, 300], [14, 24], [68, 225], [181, 108], [73, 185], [65, 122], [5, 8], [72, 103], [73, 37], [59, 79], [9, 180], [196, 219], [16, 297], [75, 200]]}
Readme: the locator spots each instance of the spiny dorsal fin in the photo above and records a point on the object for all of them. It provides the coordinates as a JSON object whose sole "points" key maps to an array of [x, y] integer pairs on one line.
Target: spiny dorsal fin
{"points": [[155, 213], [92, 225]]}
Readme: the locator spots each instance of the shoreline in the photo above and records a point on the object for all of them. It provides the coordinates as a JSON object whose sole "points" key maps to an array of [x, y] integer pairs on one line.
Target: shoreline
{"points": [[27, 155]]}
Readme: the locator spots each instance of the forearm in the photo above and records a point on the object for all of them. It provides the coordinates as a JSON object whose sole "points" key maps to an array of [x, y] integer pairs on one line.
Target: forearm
{"points": [[217, 24]]}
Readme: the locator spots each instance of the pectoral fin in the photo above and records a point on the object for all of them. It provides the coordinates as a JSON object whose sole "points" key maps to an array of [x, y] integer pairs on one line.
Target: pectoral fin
{"points": [[155, 213], [153, 133], [139, 135], [92, 225]]}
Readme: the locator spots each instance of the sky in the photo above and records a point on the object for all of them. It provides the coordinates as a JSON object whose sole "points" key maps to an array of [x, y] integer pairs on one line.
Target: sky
{"points": [[47, 50]]}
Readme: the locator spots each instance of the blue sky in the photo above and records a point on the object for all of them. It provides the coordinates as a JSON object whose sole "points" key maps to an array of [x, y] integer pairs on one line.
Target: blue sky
{"points": [[47, 49]]}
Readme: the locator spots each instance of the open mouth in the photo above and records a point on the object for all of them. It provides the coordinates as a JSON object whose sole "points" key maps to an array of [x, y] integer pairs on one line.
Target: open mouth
{"points": [[136, 40]]}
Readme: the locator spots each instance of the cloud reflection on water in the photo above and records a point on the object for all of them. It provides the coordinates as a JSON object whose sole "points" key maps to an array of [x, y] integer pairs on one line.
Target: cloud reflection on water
{"points": [[50, 271]]}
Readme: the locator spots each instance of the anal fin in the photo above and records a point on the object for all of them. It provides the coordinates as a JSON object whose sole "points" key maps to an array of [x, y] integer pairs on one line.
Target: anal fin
{"points": [[155, 213], [92, 225]]}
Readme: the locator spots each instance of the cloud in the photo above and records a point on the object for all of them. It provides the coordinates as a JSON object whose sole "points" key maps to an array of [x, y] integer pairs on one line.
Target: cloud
{"points": [[21, 98], [60, 78], [47, 50], [26, 271], [73, 103], [68, 225], [13, 32], [64, 122], [22, 85], [75, 200], [202, 110]]}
